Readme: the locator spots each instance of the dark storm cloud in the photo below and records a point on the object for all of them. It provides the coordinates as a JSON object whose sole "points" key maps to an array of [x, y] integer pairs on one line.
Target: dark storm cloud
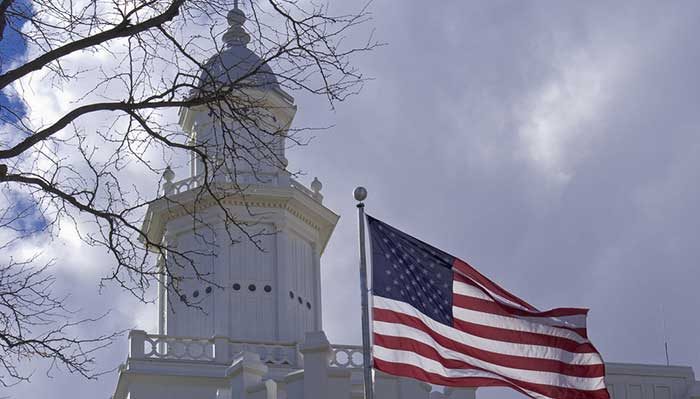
{"points": [[555, 145], [443, 140]]}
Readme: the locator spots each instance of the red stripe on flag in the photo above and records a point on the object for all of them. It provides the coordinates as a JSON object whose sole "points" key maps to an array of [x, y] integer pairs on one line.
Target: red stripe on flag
{"points": [[492, 333], [521, 337], [521, 362], [473, 274], [518, 362], [496, 308], [407, 370], [557, 312], [546, 390]]}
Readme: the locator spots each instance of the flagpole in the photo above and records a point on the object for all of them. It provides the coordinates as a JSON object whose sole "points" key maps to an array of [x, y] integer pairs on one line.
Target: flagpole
{"points": [[360, 195]]}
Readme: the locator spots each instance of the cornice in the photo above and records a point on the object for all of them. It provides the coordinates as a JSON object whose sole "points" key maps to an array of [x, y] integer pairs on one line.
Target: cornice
{"points": [[290, 200], [650, 370]]}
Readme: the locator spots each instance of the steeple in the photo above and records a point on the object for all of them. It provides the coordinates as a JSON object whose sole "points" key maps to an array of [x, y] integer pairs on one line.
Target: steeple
{"points": [[273, 294], [236, 64], [236, 35], [253, 84]]}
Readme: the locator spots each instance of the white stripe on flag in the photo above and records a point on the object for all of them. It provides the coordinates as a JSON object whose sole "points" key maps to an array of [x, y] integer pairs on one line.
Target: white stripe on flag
{"points": [[532, 376], [432, 366], [505, 348], [514, 324], [574, 321], [462, 287]]}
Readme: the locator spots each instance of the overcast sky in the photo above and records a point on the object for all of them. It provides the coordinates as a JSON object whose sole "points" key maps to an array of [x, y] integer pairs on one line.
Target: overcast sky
{"points": [[553, 145]]}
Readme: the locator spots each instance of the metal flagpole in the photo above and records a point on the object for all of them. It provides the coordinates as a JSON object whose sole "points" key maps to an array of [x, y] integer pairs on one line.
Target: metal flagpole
{"points": [[360, 194]]}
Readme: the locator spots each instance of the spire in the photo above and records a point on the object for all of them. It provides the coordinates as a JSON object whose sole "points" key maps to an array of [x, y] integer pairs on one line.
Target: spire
{"points": [[236, 35]]}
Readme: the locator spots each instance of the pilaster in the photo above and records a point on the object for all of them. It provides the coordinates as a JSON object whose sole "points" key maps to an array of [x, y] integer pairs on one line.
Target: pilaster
{"points": [[281, 284], [316, 351], [221, 304], [318, 320], [245, 373]]}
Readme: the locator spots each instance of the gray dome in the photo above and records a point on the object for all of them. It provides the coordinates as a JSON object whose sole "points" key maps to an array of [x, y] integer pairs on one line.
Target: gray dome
{"points": [[233, 64], [237, 61]]}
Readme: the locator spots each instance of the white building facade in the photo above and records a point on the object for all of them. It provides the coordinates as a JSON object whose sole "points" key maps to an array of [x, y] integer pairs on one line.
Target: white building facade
{"points": [[256, 330]]}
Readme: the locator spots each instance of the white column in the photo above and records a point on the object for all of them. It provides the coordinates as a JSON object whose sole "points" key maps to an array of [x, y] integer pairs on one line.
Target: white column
{"points": [[246, 372], [281, 284], [461, 393], [272, 389], [162, 280], [168, 321], [318, 324], [221, 349], [221, 306], [137, 340], [316, 351]]}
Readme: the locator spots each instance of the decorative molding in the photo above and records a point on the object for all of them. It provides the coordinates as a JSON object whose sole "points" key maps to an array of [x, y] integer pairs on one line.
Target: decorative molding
{"points": [[346, 356], [301, 205]]}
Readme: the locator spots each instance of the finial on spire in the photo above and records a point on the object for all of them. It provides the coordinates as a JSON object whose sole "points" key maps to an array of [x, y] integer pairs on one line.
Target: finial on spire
{"points": [[236, 35], [316, 186]]}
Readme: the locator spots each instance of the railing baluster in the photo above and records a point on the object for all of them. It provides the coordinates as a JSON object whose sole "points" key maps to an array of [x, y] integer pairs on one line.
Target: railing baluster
{"points": [[216, 349], [351, 354]]}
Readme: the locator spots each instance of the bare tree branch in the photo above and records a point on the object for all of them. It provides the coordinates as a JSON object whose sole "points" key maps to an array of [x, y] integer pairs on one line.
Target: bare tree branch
{"points": [[91, 161], [4, 5]]}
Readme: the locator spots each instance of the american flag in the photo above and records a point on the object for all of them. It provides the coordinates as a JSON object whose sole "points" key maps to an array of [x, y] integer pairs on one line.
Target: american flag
{"points": [[437, 319]]}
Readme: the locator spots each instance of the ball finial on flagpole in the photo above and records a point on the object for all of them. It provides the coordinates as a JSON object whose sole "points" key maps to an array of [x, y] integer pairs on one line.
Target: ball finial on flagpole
{"points": [[360, 193]]}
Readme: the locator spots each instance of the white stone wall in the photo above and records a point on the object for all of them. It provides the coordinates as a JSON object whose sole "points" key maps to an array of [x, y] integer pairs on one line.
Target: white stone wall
{"points": [[259, 141], [251, 288], [153, 374], [639, 381], [301, 284], [196, 320], [269, 291]]}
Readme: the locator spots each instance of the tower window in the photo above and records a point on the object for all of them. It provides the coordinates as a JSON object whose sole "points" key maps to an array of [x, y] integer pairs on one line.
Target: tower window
{"points": [[195, 293], [300, 300], [236, 287], [251, 287], [291, 294], [268, 288], [308, 305], [208, 290]]}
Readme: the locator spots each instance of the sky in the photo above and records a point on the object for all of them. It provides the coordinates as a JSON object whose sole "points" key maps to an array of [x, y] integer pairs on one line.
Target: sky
{"points": [[553, 145], [12, 47]]}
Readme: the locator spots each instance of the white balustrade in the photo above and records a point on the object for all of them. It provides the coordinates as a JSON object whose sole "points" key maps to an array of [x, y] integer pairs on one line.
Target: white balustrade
{"points": [[218, 349], [270, 353], [221, 349], [301, 188], [243, 180], [183, 185], [180, 348], [346, 356]]}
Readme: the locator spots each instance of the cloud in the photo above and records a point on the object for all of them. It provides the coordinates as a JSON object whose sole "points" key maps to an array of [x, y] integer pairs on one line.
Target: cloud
{"points": [[556, 112], [553, 145]]}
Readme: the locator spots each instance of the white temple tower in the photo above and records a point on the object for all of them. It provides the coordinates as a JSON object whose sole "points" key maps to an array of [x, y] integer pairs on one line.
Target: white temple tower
{"points": [[266, 287], [254, 328]]}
